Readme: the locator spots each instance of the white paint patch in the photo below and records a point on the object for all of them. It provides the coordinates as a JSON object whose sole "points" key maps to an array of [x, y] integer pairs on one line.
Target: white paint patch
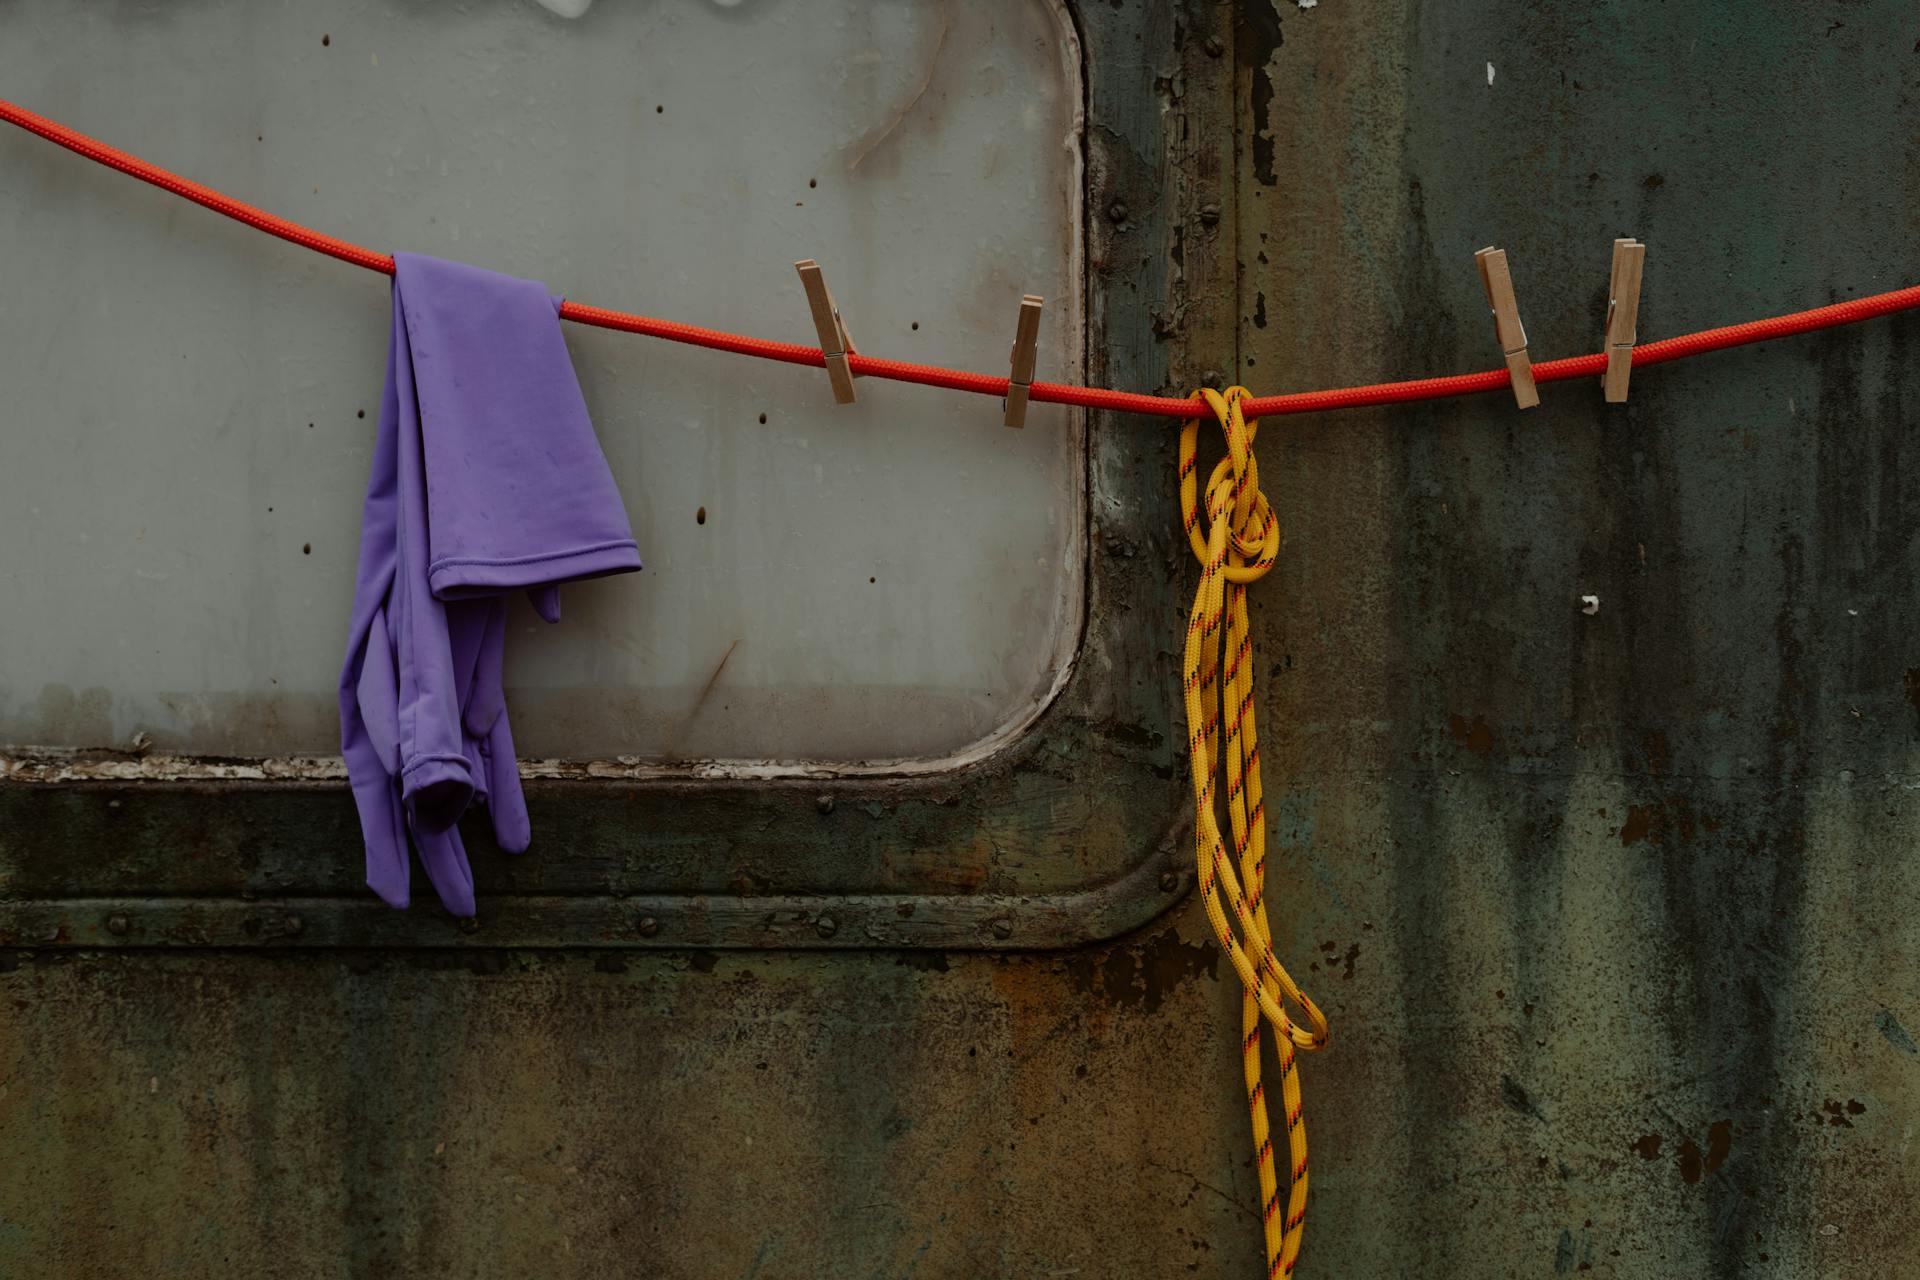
{"points": [[1589, 605], [566, 8], [1489, 75], [1309, 4]]}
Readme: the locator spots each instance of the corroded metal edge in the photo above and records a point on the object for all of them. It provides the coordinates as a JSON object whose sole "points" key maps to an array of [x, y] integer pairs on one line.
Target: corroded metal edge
{"points": [[982, 922], [48, 766]]}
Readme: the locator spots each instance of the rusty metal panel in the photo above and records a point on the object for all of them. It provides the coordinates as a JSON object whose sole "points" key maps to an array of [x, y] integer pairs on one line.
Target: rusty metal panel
{"points": [[549, 1113], [1615, 910], [1612, 912]]}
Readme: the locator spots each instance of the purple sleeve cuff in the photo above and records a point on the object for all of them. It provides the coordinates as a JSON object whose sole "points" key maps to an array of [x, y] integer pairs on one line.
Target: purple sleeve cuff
{"points": [[466, 578], [436, 790]]}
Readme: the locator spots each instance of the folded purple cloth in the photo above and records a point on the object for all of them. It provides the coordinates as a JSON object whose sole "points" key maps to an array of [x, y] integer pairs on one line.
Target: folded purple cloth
{"points": [[487, 478]]}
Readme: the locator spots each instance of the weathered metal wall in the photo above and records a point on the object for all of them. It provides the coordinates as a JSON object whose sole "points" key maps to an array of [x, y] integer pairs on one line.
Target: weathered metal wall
{"points": [[1614, 914], [1617, 911]]}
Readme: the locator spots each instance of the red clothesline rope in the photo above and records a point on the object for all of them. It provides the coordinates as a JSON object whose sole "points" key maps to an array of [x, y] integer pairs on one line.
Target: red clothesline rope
{"points": [[1588, 366]]}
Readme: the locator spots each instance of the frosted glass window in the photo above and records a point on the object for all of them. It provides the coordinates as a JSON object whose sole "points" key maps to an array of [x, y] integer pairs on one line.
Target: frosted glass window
{"points": [[185, 451]]}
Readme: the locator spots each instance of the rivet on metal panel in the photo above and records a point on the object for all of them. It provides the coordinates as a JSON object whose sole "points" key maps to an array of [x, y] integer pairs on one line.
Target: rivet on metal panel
{"points": [[1117, 212], [1215, 47], [118, 924], [294, 926], [1169, 881], [1003, 929], [1213, 379], [467, 924], [1209, 214], [823, 803], [648, 926], [825, 926]]}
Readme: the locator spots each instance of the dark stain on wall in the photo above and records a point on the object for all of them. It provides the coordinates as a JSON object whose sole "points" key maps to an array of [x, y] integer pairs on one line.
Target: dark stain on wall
{"points": [[1256, 37], [1475, 735], [1141, 975]]}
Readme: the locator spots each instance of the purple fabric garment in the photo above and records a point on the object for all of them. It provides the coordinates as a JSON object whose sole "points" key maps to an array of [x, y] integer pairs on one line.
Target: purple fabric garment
{"points": [[487, 478]]}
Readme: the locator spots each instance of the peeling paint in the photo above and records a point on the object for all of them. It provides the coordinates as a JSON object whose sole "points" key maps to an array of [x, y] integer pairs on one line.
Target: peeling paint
{"points": [[1257, 46], [1143, 975]]}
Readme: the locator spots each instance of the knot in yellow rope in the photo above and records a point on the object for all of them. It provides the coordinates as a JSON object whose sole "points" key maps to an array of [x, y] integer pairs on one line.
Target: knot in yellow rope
{"points": [[1240, 522], [1238, 545]]}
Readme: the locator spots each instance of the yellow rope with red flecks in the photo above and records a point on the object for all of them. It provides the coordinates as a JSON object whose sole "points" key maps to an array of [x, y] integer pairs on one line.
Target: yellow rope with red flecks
{"points": [[1238, 545]]}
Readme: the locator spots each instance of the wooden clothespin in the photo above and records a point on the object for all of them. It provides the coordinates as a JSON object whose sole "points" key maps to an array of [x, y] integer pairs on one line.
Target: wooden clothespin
{"points": [[1623, 316], [1506, 322], [835, 342], [1021, 379]]}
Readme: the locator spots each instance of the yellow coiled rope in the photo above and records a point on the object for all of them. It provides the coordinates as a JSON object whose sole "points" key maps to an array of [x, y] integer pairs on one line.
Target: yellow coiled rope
{"points": [[1238, 545]]}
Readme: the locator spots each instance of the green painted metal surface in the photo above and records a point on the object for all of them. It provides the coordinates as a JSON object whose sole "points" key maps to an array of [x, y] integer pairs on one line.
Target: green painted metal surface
{"points": [[1613, 912]]}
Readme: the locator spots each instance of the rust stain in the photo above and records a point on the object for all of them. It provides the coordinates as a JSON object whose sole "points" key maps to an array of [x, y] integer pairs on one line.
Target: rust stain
{"points": [[1663, 820], [1689, 1159], [1655, 750], [1344, 961], [1141, 976], [1648, 1148], [1837, 1112], [1695, 1164], [714, 678], [1476, 735]]}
